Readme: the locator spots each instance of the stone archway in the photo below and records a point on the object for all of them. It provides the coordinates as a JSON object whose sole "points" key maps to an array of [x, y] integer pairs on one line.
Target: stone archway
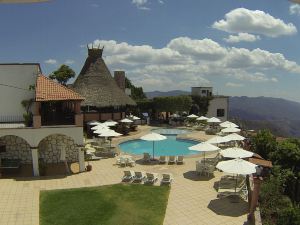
{"points": [[57, 149], [16, 148]]}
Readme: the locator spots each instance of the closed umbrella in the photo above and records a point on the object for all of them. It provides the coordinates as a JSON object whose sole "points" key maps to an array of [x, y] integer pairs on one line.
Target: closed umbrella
{"points": [[153, 137], [228, 124], [236, 153], [230, 130], [237, 166], [204, 147]]}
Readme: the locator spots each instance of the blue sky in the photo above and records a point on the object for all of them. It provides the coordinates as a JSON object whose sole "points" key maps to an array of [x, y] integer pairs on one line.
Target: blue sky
{"points": [[240, 47]]}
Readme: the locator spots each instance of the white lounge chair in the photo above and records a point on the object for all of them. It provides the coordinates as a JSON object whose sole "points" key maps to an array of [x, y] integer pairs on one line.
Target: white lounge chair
{"points": [[147, 157], [162, 159], [139, 176], [172, 159], [151, 178], [180, 159], [166, 178], [128, 175], [209, 169], [130, 162]]}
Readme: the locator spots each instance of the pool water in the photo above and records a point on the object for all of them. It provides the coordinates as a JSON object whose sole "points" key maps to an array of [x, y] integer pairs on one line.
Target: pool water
{"points": [[169, 146]]}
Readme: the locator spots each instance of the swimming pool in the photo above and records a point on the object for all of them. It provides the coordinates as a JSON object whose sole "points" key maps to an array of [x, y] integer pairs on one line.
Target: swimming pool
{"points": [[172, 131], [170, 146]]}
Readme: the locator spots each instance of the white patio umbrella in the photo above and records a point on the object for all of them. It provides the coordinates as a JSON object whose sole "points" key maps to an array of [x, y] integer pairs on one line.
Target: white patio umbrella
{"points": [[192, 116], [110, 123], [99, 126], [126, 120], [234, 137], [204, 147], [230, 130], [153, 137], [101, 130], [202, 118], [110, 133], [214, 120], [236, 153], [237, 166], [228, 124], [136, 118], [93, 123], [217, 140]]}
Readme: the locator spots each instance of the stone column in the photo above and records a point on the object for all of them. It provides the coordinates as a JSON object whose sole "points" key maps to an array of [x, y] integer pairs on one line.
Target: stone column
{"points": [[37, 121], [35, 162], [78, 114], [81, 159], [254, 196]]}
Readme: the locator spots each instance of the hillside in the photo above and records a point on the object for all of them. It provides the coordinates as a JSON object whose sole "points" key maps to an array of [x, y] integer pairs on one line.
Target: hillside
{"points": [[279, 115]]}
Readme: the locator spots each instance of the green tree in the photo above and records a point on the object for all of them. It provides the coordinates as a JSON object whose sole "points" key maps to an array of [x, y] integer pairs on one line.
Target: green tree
{"points": [[62, 74], [137, 93], [202, 103], [173, 103], [264, 143]]}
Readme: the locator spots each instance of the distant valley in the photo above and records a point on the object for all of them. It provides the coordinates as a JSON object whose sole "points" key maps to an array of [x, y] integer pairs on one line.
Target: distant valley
{"points": [[279, 115]]}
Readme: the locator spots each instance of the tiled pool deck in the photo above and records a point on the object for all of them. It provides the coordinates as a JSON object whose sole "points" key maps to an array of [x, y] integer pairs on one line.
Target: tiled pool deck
{"points": [[192, 200]]}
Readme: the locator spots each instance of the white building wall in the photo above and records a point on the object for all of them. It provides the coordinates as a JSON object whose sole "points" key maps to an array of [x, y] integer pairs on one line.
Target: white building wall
{"points": [[218, 103], [197, 91], [15, 80]]}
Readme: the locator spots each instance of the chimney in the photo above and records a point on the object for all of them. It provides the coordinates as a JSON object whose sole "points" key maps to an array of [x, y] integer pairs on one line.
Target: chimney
{"points": [[95, 52], [119, 77]]}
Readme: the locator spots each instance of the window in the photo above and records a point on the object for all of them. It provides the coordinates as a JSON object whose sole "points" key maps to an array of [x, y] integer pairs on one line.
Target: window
{"points": [[203, 91], [220, 112]]}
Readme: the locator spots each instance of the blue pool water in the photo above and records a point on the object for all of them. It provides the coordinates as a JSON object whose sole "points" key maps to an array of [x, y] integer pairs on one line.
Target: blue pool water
{"points": [[169, 146]]}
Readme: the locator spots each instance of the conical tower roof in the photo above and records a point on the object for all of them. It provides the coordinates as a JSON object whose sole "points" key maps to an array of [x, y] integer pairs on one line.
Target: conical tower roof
{"points": [[96, 84]]}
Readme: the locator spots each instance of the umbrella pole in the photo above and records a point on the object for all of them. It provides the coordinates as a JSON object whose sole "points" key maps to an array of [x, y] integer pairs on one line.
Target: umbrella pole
{"points": [[235, 183]]}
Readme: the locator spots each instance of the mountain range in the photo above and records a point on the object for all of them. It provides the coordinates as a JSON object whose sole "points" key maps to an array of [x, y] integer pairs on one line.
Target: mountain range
{"points": [[279, 115]]}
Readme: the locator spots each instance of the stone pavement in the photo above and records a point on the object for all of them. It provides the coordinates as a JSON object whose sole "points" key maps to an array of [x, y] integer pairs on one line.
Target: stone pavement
{"points": [[192, 200]]}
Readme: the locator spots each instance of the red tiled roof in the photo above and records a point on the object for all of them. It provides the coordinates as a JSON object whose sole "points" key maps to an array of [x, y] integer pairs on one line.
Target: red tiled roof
{"points": [[49, 90]]}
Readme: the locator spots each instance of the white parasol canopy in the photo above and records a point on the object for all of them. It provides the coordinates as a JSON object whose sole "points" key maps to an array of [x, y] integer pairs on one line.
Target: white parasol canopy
{"points": [[153, 137], [93, 123], [99, 126], [110, 123], [214, 120], [202, 118], [230, 130], [136, 118], [109, 133], [192, 116], [101, 130], [204, 147], [217, 140], [237, 166], [126, 120], [228, 124], [235, 137], [236, 153]]}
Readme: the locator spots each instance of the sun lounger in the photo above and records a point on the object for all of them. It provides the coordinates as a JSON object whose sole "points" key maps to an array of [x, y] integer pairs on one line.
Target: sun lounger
{"points": [[172, 159], [180, 159], [166, 178], [91, 156], [151, 178], [128, 175], [130, 162], [139, 176], [162, 159], [147, 157]]}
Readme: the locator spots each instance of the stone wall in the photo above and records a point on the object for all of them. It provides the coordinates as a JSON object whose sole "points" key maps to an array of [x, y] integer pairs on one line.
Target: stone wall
{"points": [[16, 148], [50, 148]]}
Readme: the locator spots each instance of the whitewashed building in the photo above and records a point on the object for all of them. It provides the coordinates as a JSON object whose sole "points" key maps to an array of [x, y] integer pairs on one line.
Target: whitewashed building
{"points": [[218, 105]]}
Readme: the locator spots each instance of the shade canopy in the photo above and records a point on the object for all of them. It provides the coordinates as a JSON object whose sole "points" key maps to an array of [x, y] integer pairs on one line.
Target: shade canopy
{"points": [[237, 166], [110, 133], [235, 137], [101, 130], [217, 140], [126, 120], [153, 137], [230, 130], [192, 116], [93, 123], [228, 124], [204, 147], [99, 126], [202, 118], [110, 123], [236, 153], [214, 120]]}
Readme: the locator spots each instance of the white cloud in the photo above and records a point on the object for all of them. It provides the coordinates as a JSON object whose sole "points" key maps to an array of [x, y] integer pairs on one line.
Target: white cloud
{"points": [[186, 62], [243, 20], [140, 4], [230, 84], [161, 2], [242, 37], [51, 61], [69, 62], [295, 9]]}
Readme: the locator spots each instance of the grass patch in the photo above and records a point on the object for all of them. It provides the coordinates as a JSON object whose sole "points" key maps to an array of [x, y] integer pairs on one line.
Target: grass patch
{"points": [[120, 204]]}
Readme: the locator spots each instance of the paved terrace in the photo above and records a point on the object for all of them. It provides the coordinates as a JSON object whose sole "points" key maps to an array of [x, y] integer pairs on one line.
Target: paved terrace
{"points": [[192, 200]]}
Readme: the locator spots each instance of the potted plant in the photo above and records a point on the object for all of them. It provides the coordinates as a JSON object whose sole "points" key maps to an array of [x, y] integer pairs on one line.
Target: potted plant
{"points": [[88, 167]]}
